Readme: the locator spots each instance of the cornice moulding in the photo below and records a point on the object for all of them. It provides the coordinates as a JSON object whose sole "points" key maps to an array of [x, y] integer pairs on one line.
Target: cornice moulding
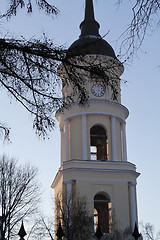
{"points": [[122, 108]]}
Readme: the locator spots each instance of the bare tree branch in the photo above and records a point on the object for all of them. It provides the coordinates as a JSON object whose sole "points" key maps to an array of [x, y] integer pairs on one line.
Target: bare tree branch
{"points": [[30, 71], [16, 5], [19, 195], [145, 20], [72, 212], [148, 232], [4, 132]]}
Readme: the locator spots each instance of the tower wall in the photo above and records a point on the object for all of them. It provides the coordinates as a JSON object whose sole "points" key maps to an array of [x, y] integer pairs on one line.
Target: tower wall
{"points": [[93, 137], [112, 178], [97, 113]]}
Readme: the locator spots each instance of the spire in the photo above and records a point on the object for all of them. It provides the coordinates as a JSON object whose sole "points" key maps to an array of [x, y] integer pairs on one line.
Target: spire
{"points": [[89, 27]]}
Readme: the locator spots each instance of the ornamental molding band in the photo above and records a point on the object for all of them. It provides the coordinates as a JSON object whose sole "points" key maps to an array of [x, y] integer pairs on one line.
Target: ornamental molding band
{"points": [[91, 102], [94, 113]]}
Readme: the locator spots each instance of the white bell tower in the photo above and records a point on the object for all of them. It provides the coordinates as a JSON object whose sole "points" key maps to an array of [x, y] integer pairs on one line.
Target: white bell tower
{"points": [[93, 139]]}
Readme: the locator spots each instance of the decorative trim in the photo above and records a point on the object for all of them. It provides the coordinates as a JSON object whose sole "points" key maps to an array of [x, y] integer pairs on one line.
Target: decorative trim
{"points": [[98, 101], [92, 36], [99, 179], [132, 184], [80, 161], [94, 113], [68, 181], [56, 179], [76, 169]]}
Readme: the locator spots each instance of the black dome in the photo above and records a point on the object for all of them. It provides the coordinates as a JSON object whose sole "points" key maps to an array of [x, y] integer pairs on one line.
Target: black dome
{"points": [[91, 45], [90, 41]]}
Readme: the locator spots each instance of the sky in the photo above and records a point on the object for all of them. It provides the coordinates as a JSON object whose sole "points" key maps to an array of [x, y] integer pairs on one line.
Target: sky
{"points": [[141, 95]]}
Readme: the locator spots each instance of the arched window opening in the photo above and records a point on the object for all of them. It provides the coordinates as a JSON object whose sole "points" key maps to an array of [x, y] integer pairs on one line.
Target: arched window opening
{"points": [[98, 143], [102, 213]]}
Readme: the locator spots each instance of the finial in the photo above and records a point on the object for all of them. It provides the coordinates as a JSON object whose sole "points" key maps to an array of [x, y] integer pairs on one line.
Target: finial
{"points": [[89, 27], [60, 233], [22, 231], [136, 233]]}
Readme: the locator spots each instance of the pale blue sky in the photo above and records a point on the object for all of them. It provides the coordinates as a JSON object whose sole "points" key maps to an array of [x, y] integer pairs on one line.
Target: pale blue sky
{"points": [[140, 95]]}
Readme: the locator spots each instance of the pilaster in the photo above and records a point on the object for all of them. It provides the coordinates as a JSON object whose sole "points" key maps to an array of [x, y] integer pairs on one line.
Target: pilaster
{"points": [[84, 136], [133, 209], [66, 139], [124, 141], [114, 139]]}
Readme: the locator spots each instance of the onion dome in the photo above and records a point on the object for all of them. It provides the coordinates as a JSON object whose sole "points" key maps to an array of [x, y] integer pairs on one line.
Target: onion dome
{"points": [[90, 41]]}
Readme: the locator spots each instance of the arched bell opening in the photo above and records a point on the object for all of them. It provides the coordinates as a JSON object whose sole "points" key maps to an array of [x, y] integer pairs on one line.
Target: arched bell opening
{"points": [[98, 143], [102, 212]]}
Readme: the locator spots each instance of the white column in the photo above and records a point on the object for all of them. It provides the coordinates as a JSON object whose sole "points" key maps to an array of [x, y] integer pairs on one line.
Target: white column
{"points": [[124, 143], [84, 137], [69, 191], [133, 209], [114, 138], [69, 200], [61, 130], [66, 140]]}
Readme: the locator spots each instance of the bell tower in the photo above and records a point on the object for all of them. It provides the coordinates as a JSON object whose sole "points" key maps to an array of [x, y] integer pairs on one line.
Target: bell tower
{"points": [[93, 139]]}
